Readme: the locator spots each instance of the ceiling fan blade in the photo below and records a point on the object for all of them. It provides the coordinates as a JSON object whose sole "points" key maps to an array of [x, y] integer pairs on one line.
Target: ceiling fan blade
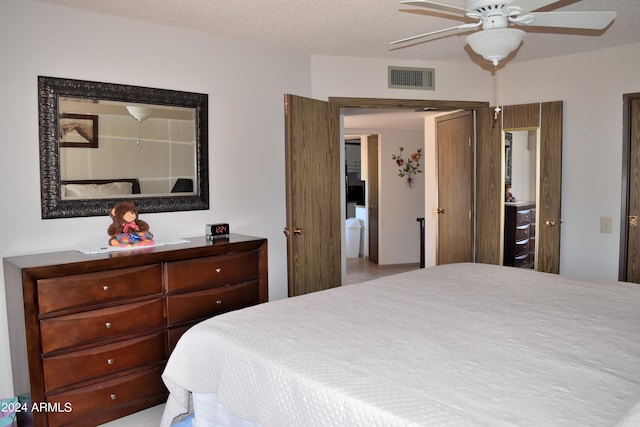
{"points": [[586, 20], [436, 6], [459, 27], [529, 5]]}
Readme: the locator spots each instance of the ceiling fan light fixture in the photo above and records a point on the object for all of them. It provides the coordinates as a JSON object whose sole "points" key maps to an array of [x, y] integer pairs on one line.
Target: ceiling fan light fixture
{"points": [[495, 45], [139, 113]]}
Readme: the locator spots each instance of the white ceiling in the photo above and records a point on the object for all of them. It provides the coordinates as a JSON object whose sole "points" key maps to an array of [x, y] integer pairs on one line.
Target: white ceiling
{"points": [[382, 118], [362, 28]]}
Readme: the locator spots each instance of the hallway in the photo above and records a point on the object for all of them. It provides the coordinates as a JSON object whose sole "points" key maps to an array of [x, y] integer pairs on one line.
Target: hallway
{"points": [[360, 270]]}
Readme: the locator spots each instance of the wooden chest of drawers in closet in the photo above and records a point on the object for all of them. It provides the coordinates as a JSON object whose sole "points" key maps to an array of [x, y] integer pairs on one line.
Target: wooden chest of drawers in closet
{"points": [[520, 234], [90, 334]]}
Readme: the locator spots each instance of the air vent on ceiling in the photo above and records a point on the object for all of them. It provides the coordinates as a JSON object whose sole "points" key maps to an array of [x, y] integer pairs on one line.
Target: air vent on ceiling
{"points": [[412, 78]]}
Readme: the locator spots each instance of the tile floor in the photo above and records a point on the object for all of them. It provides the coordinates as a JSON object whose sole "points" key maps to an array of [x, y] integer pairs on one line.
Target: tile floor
{"points": [[358, 270], [148, 418]]}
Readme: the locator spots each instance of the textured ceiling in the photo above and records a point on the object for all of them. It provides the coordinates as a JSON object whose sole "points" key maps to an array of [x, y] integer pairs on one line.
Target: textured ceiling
{"points": [[362, 28]]}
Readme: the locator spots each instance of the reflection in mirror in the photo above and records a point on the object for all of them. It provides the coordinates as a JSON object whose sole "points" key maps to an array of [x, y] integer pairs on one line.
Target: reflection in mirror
{"points": [[156, 144], [103, 142], [520, 174]]}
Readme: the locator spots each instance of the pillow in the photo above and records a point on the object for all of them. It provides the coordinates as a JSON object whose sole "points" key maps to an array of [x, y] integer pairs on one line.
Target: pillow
{"points": [[98, 190]]}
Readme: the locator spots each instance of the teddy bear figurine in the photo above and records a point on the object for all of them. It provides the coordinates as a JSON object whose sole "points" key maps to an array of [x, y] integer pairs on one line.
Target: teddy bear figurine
{"points": [[126, 229]]}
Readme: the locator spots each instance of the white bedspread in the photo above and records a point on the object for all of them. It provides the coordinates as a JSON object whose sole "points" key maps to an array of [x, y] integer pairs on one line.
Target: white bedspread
{"points": [[455, 345]]}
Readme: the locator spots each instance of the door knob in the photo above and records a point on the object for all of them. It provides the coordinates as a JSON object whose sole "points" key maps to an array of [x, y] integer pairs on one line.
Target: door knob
{"points": [[439, 211], [296, 231], [551, 222]]}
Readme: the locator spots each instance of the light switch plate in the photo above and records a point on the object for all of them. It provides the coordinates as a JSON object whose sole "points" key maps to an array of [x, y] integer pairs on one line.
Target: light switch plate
{"points": [[606, 224]]}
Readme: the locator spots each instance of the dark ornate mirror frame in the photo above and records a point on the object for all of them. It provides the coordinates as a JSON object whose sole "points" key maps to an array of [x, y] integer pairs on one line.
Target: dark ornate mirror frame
{"points": [[50, 89]]}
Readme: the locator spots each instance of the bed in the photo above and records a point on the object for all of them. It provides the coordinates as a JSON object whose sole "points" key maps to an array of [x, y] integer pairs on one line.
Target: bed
{"points": [[99, 188], [453, 345]]}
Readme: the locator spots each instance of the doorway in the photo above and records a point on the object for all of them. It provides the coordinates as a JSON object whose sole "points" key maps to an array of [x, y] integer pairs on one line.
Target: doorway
{"points": [[300, 125], [389, 122], [373, 208], [490, 185], [381, 133], [354, 180], [629, 264]]}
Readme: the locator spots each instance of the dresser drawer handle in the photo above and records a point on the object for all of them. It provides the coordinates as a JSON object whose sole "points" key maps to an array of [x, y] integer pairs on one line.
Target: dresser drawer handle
{"points": [[218, 302], [112, 396], [105, 288], [218, 270], [108, 325], [110, 361]]}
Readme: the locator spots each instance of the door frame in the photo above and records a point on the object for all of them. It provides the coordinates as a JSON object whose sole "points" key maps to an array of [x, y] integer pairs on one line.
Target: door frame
{"points": [[623, 262], [373, 198], [411, 105], [490, 188]]}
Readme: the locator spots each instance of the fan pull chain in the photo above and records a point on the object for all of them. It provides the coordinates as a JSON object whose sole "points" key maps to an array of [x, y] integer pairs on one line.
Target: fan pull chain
{"points": [[495, 94], [138, 142]]}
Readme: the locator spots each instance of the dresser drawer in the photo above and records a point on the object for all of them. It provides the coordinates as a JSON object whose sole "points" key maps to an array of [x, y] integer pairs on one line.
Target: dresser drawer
{"points": [[97, 325], [108, 395], [521, 260], [211, 271], [521, 247], [72, 368], [174, 334], [203, 304], [523, 217], [95, 288], [522, 232]]}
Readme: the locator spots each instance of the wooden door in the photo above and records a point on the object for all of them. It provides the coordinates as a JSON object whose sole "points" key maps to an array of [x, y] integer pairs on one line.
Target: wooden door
{"points": [[312, 160], [630, 239], [490, 189], [550, 188], [454, 135], [372, 178]]}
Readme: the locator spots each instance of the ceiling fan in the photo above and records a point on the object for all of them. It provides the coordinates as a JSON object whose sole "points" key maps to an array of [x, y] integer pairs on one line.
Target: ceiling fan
{"points": [[498, 37]]}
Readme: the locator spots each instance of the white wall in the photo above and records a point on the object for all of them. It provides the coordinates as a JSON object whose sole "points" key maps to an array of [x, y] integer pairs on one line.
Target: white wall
{"points": [[591, 86], [523, 171], [244, 81], [163, 152], [367, 78], [247, 162], [399, 205]]}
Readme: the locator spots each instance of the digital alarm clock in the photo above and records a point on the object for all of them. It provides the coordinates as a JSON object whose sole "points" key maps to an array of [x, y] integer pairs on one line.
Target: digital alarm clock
{"points": [[216, 230]]}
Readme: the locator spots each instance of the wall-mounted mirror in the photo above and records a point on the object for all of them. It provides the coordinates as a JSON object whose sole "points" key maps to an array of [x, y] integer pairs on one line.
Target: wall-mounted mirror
{"points": [[520, 176], [101, 143]]}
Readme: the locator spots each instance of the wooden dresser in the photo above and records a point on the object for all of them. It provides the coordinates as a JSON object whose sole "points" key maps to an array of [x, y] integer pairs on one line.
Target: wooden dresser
{"points": [[90, 334], [519, 234]]}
